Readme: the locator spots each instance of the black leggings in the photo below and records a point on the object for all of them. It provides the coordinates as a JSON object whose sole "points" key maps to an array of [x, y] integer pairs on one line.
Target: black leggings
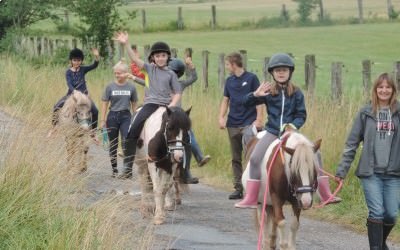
{"points": [[134, 133], [117, 123]]}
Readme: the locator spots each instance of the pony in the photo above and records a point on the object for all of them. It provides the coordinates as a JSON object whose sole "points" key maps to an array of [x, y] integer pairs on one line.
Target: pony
{"points": [[291, 177], [159, 150], [75, 119]]}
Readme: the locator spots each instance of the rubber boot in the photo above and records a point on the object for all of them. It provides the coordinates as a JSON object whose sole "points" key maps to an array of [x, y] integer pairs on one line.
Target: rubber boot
{"points": [[386, 231], [251, 197], [375, 234], [324, 191], [129, 150]]}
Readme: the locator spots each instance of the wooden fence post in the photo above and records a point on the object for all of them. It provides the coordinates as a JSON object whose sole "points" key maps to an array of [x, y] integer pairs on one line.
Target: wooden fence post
{"points": [[121, 51], [336, 80], [267, 76], [243, 53], [360, 11], [204, 54], [309, 70], [144, 25], [146, 52], [213, 17], [39, 46], [221, 70], [45, 46], [74, 43], [32, 50], [188, 52], [174, 52], [180, 19], [396, 77], [366, 76], [51, 47]]}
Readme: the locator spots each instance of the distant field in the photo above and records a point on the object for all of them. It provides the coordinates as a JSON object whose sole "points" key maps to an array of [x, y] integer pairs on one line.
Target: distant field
{"points": [[231, 12]]}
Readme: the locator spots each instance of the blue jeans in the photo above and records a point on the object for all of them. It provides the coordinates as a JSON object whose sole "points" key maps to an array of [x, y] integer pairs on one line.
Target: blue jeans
{"points": [[382, 194], [198, 155]]}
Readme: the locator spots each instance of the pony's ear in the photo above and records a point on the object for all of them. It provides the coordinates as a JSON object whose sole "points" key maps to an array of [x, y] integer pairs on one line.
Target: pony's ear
{"points": [[317, 145], [288, 150], [188, 111]]}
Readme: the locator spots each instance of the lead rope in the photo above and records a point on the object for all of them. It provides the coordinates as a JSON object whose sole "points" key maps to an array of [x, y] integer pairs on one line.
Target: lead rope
{"points": [[278, 150]]}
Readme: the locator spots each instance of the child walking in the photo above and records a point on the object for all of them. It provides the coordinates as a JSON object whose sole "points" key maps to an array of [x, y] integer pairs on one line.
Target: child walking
{"points": [[120, 99]]}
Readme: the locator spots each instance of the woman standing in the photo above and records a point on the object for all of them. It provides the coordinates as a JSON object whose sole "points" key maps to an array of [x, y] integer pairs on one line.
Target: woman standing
{"points": [[120, 98], [376, 125]]}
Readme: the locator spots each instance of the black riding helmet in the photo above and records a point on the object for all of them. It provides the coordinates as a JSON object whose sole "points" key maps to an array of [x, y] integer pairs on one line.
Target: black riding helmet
{"points": [[281, 60], [76, 54], [177, 66], [159, 47]]}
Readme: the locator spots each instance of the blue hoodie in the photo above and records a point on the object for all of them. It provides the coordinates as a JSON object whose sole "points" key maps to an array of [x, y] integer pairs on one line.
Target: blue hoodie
{"points": [[293, 111]]}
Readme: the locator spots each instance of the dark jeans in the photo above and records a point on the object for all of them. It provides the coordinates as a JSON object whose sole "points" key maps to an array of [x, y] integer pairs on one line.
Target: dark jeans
{"points": [[60, 104], [117, 123], [134, 132]]}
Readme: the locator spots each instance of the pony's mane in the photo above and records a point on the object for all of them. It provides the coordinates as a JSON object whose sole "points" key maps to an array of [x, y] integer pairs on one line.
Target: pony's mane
{"points": [[303, 155], [75, 100]]}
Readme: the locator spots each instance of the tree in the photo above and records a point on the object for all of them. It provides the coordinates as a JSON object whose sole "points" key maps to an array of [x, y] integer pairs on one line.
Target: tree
{"points": [[18, 14], [99, 20], [304, 9]]}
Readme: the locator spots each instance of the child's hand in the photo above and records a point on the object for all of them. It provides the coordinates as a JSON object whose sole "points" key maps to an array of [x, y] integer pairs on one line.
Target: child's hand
{"points": [[95, 52], [189, 62], [121, 37], [263, 90]]}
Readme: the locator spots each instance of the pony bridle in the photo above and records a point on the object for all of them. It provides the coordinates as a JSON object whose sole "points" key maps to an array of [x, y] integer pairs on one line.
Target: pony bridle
{"points": [[174, 145], [84, 121], [295, 190]]}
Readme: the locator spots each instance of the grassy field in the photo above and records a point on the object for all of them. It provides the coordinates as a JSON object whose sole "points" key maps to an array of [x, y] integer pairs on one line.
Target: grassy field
{"points": [[230, 13], [35, 89]]}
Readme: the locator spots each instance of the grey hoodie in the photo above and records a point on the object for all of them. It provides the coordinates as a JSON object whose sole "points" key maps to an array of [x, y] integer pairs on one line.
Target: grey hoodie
{"points": [[364, 130]]}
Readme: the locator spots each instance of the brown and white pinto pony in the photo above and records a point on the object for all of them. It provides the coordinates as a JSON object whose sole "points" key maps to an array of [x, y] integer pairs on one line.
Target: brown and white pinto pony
{"points": [[293, 179], [74, 121], [159, 150]]}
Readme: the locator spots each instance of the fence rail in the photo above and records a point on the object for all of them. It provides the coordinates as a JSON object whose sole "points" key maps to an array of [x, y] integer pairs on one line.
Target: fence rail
{"points": [[43, 46]]}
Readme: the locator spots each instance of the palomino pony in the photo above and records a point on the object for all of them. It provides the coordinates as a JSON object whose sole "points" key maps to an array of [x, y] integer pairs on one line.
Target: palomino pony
{"points": [[164, 135], [292, 177], [75, 119]]}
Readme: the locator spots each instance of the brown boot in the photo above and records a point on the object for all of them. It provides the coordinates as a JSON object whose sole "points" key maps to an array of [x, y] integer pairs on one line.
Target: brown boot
{"points": [[251, 198], [324, 191]]}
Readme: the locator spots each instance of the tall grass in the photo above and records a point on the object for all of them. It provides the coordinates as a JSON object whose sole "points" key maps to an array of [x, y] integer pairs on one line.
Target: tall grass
{"points": [[42, 206]]}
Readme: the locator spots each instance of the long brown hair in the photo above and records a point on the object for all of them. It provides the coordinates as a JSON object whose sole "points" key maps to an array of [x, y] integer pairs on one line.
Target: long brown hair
{"points": [[290, 88], [374, 96]]}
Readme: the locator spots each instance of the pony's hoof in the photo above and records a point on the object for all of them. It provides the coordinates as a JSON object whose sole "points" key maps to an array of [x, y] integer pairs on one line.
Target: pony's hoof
{"points": [[158, 221], [170, 207], [178, 201]]}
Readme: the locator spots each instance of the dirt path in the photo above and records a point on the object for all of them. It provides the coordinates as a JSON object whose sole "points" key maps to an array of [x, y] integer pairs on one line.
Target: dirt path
{"points": [[206, 220]]}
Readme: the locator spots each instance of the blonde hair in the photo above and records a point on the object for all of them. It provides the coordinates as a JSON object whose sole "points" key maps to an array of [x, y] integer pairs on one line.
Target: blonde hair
{"points": [[121, 65], [374, 96]]}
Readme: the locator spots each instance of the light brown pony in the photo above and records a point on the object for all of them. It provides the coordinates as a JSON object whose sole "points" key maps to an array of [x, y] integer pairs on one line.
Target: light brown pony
{"points": [[75, 119], [293, 179]]}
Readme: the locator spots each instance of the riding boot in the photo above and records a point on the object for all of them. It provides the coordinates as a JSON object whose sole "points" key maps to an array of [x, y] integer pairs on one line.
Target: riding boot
{"points": [[129, 150], [375, 234], [386, 231], [324, 191], [251, 197]]}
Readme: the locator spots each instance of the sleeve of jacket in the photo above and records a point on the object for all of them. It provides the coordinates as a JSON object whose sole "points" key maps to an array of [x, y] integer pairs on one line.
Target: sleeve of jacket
{"points": [[91, 66], [350, 147], [250, 100], [300, 110], [191, 78]]}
